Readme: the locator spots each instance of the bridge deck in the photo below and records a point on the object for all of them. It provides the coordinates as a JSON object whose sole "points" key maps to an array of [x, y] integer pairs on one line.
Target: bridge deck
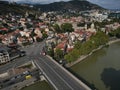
{"points": [[59, 77]]}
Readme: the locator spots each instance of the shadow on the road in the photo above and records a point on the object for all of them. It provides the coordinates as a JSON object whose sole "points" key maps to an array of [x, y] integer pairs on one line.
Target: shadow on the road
{"points": [[111, 78]]}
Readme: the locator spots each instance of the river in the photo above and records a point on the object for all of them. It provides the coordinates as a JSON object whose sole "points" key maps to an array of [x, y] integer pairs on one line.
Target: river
{"points": [[102, 68]]}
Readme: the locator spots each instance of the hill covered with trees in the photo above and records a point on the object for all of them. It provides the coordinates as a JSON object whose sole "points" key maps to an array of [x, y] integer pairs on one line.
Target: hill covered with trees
{"points": [[73, 5], [14, 8]]}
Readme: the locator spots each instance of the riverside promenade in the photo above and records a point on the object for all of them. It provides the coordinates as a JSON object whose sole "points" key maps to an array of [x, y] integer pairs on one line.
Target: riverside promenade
{"points": [[85, 56]]}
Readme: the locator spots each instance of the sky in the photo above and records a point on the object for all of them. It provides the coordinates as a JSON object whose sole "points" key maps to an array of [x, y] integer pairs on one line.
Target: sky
{"points": [[109, 4]]}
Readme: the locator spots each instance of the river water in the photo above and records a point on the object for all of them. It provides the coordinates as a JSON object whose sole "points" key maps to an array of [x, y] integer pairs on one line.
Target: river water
{"points": [[101, 68]]}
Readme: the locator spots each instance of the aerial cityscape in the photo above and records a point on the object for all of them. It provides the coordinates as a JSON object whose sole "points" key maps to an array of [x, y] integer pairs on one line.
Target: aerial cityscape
{"points": [[59, 45]]}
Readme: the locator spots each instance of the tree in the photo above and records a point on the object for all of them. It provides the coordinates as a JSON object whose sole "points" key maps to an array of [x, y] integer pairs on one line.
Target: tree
{"points": [[57, 28], [33, 33], [67, 27], [58, 54], [81, 24], [72, 56], [0, 40], [100, 38], [115, 33], [50, 52], [118, 33], [112, 33], [78, 45], [28, 25], [39, 39], [85, 48]]}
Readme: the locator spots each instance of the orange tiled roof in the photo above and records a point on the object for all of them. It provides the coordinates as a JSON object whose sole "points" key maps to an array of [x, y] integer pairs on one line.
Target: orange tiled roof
{"points": [[4, 29], [61, 45]]}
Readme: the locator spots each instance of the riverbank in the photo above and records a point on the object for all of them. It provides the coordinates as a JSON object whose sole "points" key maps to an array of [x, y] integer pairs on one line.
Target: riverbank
{"points": [[85, 56]]}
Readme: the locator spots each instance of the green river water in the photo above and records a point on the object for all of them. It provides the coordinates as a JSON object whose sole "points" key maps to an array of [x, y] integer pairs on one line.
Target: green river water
{"points": [[101, 69]]}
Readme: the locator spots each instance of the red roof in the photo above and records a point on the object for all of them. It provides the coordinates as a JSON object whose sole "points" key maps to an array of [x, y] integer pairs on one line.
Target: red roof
{"points": [[61, 45], [17, 31], [4, 29], [69, 49]]}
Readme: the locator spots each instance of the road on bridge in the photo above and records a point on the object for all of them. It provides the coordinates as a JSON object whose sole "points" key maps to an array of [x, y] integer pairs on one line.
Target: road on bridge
{"points": [[58, 76]]}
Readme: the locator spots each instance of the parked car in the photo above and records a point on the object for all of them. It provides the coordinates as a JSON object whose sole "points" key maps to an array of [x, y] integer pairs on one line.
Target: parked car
{"points": [[22, 53], [42, 53]]}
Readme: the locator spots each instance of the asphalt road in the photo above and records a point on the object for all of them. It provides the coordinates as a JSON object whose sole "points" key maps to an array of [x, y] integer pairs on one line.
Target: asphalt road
{"points": [[61, 79], [32, 50]]}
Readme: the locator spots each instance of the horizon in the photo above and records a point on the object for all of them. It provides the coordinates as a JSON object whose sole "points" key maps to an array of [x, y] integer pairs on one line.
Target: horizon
{"points": [[111, 4]]}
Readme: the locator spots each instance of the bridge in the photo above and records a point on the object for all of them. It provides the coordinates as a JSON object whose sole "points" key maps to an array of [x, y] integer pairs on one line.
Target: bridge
{"points": [[58, 76]]}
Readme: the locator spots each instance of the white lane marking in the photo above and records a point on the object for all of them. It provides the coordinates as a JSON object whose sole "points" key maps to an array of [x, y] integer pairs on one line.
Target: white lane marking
{"points": [[46, 76], [75, 78], [57, 74]]}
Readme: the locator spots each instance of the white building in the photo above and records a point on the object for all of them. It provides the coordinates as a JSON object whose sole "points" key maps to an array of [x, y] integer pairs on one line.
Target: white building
{"points": [[4, 57]]}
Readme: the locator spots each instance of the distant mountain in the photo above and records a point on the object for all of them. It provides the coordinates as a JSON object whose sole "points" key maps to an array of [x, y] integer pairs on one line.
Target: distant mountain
{"points": [[6, 7], [77, 5]]}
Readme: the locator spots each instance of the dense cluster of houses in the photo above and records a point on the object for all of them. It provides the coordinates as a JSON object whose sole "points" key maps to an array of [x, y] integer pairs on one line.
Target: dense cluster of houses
{"points": [[15, 30], [65, 41], [28, 28], [18, 29]]}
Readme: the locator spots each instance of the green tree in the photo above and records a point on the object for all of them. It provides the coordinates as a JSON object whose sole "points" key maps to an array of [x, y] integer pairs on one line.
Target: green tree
{"points": [[100, 38], [115, 33], [50, 52], [33, 33], [72, 56], [85, 48], [39, 39], [118, 33], [57, 28], [112, 33], [78, 45], [58, 54], [81, 24], [67, 27]]}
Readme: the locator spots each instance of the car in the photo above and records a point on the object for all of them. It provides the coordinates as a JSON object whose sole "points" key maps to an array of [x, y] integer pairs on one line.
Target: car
{"points": [[42, 53], [12, 79], [22, 53]]}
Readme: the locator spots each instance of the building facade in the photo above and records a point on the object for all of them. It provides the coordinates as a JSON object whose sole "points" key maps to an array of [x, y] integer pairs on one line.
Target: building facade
{"points": [[4, 57]]}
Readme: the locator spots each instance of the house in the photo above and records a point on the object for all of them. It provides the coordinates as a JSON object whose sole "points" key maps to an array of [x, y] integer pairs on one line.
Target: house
{"points": [[64, 46], [38, 32], [4, 55], [49, 43]]}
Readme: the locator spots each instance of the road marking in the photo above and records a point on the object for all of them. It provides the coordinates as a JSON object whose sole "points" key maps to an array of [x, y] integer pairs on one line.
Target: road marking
{"points": [[57, 74], [46, 76], [75, 78]]}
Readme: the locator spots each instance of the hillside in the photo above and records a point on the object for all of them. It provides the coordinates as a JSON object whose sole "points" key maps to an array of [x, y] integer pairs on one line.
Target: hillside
{"points": [[6, 7], [77, 5]]}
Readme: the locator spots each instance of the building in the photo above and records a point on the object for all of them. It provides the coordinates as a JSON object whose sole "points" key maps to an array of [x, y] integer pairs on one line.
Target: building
{"points": [[7, 53], [4, 55]]}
